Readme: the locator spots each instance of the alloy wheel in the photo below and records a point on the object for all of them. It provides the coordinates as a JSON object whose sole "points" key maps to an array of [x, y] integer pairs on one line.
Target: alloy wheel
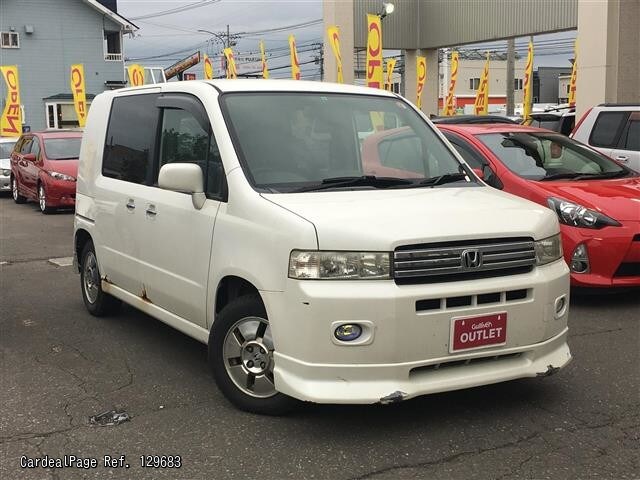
{"points": [[42, 199], [91, 277], [14, 189]]}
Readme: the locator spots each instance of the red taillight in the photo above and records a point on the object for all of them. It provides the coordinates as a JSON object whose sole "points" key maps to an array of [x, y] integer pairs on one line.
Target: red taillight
{"points": [[575, 129]]}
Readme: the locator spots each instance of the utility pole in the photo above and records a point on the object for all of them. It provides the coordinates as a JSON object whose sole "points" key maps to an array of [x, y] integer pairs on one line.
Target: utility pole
{"points": [[228, 38], [511, 47]]}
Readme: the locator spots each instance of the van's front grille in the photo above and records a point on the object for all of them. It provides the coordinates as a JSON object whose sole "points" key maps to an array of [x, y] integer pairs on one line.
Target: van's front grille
{"points": [[463, 260]]}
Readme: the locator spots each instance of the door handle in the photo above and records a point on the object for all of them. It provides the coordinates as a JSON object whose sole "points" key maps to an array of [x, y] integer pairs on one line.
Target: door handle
{"points": [[622, 158], [151, 210], [131, 205]]}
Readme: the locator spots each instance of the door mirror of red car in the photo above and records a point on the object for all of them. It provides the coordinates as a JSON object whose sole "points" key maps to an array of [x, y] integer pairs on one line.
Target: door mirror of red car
{"points": [[31, 157], [479, 173]]}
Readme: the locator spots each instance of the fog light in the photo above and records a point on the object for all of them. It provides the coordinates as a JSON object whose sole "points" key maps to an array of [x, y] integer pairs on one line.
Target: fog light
{"points": [[348, 332], [580, 259]]}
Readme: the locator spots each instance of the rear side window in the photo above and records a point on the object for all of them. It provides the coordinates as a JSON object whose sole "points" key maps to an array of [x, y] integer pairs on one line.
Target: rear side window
{"points": [[607, 129], [633, 136], [131, 134]]}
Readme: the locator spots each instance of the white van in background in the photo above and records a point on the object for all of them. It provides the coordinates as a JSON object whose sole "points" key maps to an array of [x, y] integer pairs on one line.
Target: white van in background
{"points": [[340, 267]]}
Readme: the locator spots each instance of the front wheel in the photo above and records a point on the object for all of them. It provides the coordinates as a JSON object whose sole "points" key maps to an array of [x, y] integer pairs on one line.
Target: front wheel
{"points": [[98, 302], [15, 193], [241, 357], [42, 200]]}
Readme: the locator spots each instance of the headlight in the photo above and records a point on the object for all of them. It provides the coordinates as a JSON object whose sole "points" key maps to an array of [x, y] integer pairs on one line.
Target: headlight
{"points": [[5, 172], [578, 216], [548, 250], [62, 176], [318, 265]]}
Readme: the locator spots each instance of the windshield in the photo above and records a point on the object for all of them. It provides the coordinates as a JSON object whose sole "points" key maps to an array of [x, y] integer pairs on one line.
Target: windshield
{"points": [[296, 141], [538, 156], [62, 148], [6, 148]]}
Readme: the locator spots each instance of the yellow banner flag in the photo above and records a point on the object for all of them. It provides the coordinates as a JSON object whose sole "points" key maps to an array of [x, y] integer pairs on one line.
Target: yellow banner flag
{"points": [[449, 107], [208, 68], [79, 93], [574, 75], [232, 71], [136, 75], [374, 52], [481, 105], [528, 83], [421, 76], [391, 65], [263, 57], [334, 40], [11, 121], [295, 64]]}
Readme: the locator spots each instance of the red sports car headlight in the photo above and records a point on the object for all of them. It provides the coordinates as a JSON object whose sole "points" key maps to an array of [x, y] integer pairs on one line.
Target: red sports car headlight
{"points": [[576, 215]]}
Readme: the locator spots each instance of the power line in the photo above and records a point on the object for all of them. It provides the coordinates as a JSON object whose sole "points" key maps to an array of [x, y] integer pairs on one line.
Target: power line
{"points": [[171, 11]]}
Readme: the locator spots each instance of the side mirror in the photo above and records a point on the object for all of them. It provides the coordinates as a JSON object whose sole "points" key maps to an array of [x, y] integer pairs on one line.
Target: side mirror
{"points": [[490, 177], [30, 157], [184, 178]]}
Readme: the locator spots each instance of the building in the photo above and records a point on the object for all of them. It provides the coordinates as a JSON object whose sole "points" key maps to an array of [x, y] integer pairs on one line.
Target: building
{"points": [[545, 84], [44, 38], [564, 84]]}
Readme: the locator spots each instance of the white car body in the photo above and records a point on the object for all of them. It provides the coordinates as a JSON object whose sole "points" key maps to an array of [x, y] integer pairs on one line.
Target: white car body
{"points": [[622, 145], [5, 165], [252, 234]]}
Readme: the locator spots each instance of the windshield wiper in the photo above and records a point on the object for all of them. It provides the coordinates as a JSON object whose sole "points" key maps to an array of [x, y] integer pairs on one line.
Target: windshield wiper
{"points": [[65, 158], [438, 180], [558, 176], [362, 181], [603, 175]]}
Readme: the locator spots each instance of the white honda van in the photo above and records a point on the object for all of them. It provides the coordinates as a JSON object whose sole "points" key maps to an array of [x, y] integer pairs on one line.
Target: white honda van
{"points": [[324, 241]]}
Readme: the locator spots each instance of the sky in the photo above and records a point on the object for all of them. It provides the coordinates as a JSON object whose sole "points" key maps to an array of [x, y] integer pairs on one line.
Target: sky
{"points": [[169, 32]]}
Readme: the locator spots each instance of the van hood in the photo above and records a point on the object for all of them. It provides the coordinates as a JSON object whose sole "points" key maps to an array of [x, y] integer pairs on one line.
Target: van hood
{"points": [[381, 220], [67, 167], [619, 199]]}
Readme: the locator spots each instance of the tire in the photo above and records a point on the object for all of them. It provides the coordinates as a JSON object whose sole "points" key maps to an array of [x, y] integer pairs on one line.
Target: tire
{"points": [[42, 200], [98, 303], [15, 193], [241, 335]]}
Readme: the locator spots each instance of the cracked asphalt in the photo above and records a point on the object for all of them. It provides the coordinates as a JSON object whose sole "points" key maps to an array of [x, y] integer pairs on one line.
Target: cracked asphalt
{"points": [[60, 366]]}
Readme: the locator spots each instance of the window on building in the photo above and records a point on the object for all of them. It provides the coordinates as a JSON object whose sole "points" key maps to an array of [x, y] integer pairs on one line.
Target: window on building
{"points": [[62, 115], [9, 40], [474, 83], [131, 135], [112, 46], [517, 84]]}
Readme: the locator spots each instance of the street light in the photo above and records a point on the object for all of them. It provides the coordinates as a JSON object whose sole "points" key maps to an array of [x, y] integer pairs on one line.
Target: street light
{"points": [[219, 36], [387, 9]]}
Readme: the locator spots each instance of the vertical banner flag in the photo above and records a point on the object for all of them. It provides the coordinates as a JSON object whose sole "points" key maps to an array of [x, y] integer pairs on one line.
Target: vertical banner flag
{"points": [[295, 64], [528, 83], [574, 74], [449, 107], [391, 65], [78, 91], [334, 39], [263, 58], [421, 76], [136, 75], [374, 52], [232, 72], [481, 105], [208, 68], [11, 121]]}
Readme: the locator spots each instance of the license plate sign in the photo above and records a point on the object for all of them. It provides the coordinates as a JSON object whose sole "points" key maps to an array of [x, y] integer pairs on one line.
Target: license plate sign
{"points": [[477, 332]]}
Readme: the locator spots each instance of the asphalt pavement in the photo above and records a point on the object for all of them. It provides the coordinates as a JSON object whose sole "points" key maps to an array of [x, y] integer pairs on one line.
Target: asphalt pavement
{"points": [[61, 366]]}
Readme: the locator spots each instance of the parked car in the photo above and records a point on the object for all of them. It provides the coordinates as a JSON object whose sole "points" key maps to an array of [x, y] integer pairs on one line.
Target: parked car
{"points": [[561, 120], [470, 119], [6, 147], [44, 167], [595, 198], [208, 205], [613, 129]]}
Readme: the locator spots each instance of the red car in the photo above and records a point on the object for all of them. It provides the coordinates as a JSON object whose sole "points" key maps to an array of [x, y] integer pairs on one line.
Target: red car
{"points": [[44, 167], [597, 200]]}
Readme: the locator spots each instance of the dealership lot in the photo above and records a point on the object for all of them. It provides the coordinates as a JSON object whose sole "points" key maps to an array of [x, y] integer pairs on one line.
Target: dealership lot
{"points": [[60, 366]]}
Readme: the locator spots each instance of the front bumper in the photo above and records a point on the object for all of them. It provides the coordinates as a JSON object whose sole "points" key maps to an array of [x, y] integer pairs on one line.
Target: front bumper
{"points": [[5, 183], [61, 193], [408, 350], [608, 250]]}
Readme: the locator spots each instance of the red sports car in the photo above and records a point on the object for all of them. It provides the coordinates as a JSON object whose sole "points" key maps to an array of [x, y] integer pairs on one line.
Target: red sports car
{"points": [[44, 168], [597, 200]]}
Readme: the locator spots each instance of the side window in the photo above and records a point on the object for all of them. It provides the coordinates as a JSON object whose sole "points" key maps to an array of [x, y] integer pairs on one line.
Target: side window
{"points": [[131, 135], [467, 152], [607, 129], [26, 145], [35, 148], [183, 139], [633, 135], [404, 153]]}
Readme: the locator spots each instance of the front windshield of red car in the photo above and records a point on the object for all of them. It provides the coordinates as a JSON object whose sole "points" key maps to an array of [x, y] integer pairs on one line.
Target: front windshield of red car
{"points": [[548, 156], [62, 148]]}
